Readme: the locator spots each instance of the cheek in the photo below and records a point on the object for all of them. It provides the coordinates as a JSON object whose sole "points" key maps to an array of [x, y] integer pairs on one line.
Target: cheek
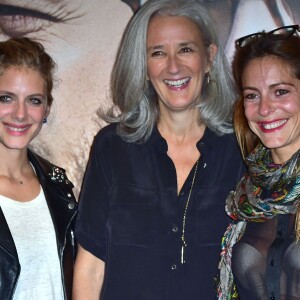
{"points": [[200, 65], [291, 107], [297, 117], [250, 111], [38, 115], [251, 116], [5, 111], [155, 68]]}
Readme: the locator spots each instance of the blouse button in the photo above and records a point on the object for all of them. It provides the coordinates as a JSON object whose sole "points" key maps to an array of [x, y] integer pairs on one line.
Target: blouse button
{"points": [[173, 267], [174, 228], [71, 205]]}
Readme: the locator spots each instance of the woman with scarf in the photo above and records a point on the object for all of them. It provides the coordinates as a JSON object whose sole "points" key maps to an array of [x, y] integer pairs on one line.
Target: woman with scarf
{"points": [[261, 249]]}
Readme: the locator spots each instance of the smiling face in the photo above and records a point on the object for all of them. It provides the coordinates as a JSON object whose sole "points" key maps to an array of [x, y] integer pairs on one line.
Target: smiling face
{"points": [[23, 106], [177, 61], [272, 105]]}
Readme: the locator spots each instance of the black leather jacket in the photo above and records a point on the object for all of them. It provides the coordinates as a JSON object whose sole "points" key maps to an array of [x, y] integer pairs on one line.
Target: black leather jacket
{"points": [[62, 206]]}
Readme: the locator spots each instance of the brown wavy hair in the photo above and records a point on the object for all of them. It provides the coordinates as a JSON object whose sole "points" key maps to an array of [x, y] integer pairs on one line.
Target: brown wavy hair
{"points": [[279, 46], [285, 49], [24, 52]]}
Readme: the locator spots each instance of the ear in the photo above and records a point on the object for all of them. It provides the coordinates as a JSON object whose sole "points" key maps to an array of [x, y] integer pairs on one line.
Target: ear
{"points": [[212, 51], [47, 112]]}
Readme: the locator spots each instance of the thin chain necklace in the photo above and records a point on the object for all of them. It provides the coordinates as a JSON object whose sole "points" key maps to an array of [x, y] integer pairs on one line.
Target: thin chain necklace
{"points": [[184, 244]]}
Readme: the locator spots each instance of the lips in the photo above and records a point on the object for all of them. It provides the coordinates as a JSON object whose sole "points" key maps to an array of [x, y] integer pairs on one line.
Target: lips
{"points": [[177, 83], [18, 129], [269, 126]]}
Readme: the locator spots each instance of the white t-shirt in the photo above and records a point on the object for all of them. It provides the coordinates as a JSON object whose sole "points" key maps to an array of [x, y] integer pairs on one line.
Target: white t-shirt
{"points": [[33, 232]]}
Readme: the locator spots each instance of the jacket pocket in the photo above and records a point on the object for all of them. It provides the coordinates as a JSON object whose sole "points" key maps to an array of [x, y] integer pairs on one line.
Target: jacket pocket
{"points": [[132, 216], [211, 218]]}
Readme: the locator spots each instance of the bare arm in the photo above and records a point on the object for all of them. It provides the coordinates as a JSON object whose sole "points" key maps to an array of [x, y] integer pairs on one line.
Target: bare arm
{"points": [[88, 276]]}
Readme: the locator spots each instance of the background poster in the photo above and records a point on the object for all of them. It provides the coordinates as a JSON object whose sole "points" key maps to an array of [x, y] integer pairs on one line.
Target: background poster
{"points": [[83, 35]]}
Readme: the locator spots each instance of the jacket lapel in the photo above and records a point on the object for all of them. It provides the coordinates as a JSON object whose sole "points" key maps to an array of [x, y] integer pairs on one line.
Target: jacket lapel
{"points": [[58, 193], [6, 239]]}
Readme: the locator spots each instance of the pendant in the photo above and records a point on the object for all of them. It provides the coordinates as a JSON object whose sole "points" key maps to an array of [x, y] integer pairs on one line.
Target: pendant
{"points": [[182, 254]]}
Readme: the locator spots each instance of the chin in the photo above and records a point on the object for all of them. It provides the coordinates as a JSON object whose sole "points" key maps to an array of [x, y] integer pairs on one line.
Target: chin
{"points": [[273, 144], [16, 147]]}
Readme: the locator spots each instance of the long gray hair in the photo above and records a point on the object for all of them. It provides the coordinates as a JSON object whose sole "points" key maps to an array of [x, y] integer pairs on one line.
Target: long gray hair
{"points": [[133, 95]]}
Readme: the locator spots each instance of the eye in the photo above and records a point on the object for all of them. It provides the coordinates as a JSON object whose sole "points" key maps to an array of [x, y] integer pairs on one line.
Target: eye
{"points": [[5, 99], [186, 50], [35, 101], [33, 17], [281, 92], [248, 97], [157, 53]]}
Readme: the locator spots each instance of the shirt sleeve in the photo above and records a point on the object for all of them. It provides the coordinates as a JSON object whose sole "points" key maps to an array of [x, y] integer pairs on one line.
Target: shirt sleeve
{"points": [[90, 230]]}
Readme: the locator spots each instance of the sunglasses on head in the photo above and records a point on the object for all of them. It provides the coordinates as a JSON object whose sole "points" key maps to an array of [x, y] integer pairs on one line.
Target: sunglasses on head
{"points": [[280, 33]]}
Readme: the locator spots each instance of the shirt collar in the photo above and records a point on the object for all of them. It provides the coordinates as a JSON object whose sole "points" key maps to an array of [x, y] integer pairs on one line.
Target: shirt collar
{"points": [[209, 139]]}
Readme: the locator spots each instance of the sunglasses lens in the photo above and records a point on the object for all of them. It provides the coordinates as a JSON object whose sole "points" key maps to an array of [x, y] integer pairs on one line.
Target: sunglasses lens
{"points": [[281, 33], [284, 31], [242, 42]]}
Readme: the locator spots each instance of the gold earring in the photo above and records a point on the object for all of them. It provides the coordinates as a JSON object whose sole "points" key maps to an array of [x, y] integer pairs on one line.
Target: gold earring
{"points": [[207, 74]]}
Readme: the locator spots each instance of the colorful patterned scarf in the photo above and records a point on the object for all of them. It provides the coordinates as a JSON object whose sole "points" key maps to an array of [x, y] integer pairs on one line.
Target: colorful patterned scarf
{"points": [[266, 190]]}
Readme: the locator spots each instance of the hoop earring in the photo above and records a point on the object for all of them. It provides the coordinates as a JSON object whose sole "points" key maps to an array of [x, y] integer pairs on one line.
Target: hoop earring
{"points": [[45, 120], [207, 74]]}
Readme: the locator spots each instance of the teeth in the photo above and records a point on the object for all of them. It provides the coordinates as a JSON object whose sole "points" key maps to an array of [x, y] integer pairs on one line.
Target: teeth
{"points": [[17, 129], [176, 83], [274, 124]]}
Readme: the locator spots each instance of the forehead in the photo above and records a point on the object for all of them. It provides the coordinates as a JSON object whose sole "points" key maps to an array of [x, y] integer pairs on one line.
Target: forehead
{"points": [[20, 76], [167, 28], [20, 69], [267, 68]]}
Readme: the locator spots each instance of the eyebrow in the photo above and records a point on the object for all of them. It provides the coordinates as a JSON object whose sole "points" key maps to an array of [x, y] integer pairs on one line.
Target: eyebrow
{"points": [[271, 86], [183, 44], [279, 83], [31, 95], [6, 92], [156, 47], [249, 88]]}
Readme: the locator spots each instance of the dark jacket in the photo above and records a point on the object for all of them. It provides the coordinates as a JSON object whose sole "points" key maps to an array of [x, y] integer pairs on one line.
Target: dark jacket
{"points": [[62, 206]]}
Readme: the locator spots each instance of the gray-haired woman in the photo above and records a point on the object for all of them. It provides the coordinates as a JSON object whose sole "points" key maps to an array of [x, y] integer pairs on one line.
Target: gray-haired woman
{"points": [[152, 203]]}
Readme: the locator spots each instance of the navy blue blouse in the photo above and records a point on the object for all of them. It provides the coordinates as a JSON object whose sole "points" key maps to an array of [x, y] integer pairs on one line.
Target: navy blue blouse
{"points": [[130, 216], [265, 262]]}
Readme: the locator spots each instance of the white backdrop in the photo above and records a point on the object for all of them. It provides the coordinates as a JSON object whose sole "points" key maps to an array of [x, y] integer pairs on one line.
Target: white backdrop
{"points": [[83, 35]]}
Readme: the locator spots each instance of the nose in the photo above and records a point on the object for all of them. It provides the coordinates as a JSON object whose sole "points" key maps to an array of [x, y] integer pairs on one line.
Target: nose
{"points": [[173, 64], [19, 111], [266, 106]]}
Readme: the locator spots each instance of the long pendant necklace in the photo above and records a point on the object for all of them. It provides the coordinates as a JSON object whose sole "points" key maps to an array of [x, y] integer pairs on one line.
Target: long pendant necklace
{"points": [[184, 244]]}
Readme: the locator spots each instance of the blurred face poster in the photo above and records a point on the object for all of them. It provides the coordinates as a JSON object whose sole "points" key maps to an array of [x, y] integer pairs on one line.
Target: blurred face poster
{"points": [[82, 36]]}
